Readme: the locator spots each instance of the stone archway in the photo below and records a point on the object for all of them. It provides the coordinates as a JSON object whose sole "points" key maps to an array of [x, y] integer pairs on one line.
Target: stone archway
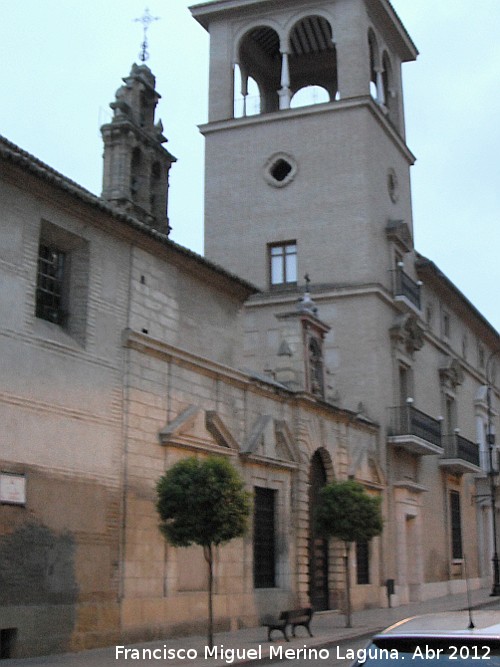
{"points": [[318, 546]]}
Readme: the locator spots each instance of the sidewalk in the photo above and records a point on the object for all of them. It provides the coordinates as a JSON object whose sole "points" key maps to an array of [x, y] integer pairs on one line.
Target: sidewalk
{"points": [[251, 643]]}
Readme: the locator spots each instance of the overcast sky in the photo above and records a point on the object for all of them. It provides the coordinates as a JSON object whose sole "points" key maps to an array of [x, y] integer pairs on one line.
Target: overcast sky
{"points": [[62, 61]]}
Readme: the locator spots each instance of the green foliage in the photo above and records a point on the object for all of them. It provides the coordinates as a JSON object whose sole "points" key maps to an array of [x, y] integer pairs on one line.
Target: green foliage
{"points": [[347, 512], [202, 501]]}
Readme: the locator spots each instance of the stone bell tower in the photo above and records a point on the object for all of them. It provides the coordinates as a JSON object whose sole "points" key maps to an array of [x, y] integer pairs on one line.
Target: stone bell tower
{"points": [[136, 165], [305, 140]]}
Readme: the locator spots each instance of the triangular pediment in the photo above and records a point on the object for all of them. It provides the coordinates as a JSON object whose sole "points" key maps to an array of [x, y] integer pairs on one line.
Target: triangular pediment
{"points": [[196, 428], [366, 469], [399, 232], [271, 439]]}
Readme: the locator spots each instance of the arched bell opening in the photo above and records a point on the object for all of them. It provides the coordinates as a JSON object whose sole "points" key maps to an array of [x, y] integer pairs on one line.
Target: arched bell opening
{"points": [[388, 85], [247, 97], [375, 70], [136, 176], [259, 71], [313, 58]]}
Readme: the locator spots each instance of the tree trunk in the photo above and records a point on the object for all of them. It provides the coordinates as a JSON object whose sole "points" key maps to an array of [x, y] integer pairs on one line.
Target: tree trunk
{"points": [[348, 620], [208, 553]]}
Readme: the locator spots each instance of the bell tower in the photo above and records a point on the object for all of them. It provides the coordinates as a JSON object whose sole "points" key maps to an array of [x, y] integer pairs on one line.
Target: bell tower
{"points": [[136, 165], [305, 140]]}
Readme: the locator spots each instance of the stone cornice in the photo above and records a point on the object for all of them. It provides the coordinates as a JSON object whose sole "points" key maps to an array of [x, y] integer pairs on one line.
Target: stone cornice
{"points": [[321, 292], [205, 12], [148, 345], [431, 275], [363, 102]]}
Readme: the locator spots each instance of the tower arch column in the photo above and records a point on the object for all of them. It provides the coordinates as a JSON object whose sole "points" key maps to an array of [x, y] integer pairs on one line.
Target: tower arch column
{"points": [[284, 92]]}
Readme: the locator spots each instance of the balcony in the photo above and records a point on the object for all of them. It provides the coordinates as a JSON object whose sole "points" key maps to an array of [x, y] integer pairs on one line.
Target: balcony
{"points": [[414, 431], [460, 455], [406, 290]]}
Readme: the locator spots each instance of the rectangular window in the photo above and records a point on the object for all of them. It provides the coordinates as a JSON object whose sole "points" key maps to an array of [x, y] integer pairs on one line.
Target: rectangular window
{"points": [[456, 526], [264, 575], [49, 286], [283, 263], [363, 562], [405, 384], [446, 325], [480, 356], [450, 415], [62, 280]]}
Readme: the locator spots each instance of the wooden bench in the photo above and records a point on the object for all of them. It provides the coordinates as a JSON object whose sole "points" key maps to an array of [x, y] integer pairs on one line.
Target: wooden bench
{"points": [[293, 617]]}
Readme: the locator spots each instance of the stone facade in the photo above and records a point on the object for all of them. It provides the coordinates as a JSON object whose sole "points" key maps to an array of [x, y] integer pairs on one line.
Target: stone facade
{"points": [[324, 189], [122, 352]]}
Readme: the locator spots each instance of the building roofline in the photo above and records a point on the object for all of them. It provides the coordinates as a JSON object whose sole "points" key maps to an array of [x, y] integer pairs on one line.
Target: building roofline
{"points": [[10, 152], [429, 272], [386, 7], [205, 11]]}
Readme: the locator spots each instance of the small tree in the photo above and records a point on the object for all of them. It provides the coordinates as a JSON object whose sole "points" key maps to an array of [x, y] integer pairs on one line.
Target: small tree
{"points": [[347, 512], [203, 501]]}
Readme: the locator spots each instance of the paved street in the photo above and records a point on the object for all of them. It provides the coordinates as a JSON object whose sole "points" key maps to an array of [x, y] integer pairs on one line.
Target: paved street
{"points": [[250, 647]]}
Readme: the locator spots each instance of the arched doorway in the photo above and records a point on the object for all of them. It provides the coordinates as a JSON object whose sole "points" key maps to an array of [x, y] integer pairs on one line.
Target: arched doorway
{"points": [[318, 547]]}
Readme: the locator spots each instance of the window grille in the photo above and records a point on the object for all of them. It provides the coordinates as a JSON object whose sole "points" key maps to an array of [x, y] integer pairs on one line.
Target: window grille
{"points": [[263, 538], [456, 525], [363, 562], [49, 290]]}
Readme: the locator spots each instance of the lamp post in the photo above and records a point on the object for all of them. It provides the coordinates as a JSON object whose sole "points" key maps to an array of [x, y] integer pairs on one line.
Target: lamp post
{"points": [[490, 439]]}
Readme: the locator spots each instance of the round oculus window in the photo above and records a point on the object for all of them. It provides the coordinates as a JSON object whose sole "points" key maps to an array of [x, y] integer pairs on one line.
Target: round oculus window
{"points": [[280, 169]]}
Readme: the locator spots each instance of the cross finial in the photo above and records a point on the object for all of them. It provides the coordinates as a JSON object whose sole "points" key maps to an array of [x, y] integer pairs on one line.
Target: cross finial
{"points": [[146, 19]]}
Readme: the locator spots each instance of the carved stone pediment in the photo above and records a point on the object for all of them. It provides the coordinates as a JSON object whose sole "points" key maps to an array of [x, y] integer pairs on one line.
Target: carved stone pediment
{"points": [[451, 373], [271, 438], [408, 333], [196, 428]]}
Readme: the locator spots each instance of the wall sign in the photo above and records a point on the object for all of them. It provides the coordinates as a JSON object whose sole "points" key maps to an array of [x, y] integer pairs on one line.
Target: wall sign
{"points": [[12, 488]]}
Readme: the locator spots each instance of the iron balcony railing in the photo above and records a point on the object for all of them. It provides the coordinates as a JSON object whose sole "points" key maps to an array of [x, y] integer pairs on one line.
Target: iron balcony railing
{"points": [[407, 287], [407, 420], [458, 447]]}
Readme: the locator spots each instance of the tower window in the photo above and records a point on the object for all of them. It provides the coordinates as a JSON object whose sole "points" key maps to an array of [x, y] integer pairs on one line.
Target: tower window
{"points": [[283, 263]]}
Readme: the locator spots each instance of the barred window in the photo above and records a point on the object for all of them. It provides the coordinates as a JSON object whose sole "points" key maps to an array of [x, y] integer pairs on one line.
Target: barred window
{"points": [[363, 562], [62, 281], [264, 574], [50, 280], [456, 525]]}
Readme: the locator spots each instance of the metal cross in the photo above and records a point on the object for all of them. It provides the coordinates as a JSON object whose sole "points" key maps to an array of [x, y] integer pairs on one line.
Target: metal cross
{"points": [[146, 20]]}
